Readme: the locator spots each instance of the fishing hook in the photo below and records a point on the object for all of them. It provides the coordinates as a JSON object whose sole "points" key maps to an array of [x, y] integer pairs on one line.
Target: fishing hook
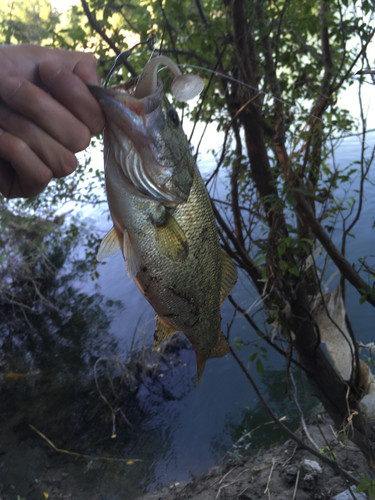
{"points": [[121, 58]]}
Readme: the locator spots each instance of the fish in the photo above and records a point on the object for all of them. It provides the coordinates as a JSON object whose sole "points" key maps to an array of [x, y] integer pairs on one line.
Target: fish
{"points": [[162, 216]]}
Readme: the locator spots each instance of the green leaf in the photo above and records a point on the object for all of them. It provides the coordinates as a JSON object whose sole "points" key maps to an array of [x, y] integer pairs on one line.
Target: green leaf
{"points": [[362, 299], [295, 271], [371, 491], [281, 248], [260, 367], [363, 485], [253, 355]]}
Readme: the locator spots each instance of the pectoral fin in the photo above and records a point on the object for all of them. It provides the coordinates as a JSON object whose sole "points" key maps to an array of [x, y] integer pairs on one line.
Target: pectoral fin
{"points": [[109, 245], [169, 236], [228, 276], [132, 261], [162, 332]]}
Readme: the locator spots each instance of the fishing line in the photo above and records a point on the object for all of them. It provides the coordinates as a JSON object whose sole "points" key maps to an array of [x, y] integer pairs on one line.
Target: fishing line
{"points": [[300, 112]]}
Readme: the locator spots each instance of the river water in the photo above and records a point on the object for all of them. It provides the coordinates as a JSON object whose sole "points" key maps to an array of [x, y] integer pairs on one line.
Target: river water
{"points": [[177, 429]]}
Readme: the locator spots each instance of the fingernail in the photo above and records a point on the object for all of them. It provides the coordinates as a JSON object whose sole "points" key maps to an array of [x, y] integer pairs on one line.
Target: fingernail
{"points": [[94, 80], [48, 70], [9, 86]]}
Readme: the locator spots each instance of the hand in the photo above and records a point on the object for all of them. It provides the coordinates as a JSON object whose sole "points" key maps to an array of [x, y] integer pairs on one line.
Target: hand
{"points": [[46, 115]]}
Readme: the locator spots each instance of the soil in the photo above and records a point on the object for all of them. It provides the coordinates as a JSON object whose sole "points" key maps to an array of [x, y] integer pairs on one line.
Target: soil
{"points": [[283, 473]]}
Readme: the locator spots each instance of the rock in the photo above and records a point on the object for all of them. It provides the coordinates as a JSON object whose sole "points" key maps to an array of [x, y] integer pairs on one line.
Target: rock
{"points": [[312, 467]]}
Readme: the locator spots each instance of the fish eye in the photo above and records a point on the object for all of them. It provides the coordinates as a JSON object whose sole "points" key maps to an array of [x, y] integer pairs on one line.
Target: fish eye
{"points": [[173, 117]]}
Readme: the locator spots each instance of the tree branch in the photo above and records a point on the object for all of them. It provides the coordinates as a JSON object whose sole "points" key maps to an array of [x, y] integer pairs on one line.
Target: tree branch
{"points": [[96, 26], [309, 48], [304, 209], [236, 169], [189, 53]]}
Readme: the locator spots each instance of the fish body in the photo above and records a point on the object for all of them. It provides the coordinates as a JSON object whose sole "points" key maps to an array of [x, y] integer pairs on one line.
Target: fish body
{"points": [[163, 220]]}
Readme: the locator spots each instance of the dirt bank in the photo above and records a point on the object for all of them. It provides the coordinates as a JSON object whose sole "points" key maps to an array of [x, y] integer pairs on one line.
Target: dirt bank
{"points": [[277, 473]]}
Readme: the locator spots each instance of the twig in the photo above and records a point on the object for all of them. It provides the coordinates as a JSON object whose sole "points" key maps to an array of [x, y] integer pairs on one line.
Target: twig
{"points": [[242, 108], [106, 400], [80, 455], [301, 412], [296, 485], [291, 456], [168, 26], [259, 332], [248, 434], [229, 484], [269, 477], [225, 475], [96, 26]]}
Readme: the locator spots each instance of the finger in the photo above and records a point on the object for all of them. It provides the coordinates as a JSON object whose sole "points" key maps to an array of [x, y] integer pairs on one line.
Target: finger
{"points": [[73, 93], [85, 68], [30, 175], [59, 159], [35, 104]]}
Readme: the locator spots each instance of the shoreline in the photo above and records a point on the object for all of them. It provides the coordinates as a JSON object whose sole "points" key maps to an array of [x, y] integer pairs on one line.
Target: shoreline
{"points": [[283, 472]]}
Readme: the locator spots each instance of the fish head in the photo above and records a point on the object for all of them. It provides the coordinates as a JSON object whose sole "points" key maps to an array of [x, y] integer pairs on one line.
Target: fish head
{"points": [[144, 137]]}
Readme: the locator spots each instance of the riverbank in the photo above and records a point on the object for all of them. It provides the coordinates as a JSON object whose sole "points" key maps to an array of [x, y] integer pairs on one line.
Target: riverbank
{"points": [[284, 472]]}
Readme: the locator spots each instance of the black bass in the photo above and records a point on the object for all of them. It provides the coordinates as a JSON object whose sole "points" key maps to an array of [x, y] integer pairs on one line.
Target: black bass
{"points": [[161, 211]]}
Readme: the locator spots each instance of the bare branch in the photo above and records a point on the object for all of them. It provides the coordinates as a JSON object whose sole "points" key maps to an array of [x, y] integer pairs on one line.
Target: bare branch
{"points": [[189, 53], [308, 47], [96, 26]]}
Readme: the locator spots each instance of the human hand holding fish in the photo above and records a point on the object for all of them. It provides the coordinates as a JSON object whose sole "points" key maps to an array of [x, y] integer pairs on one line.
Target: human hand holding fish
{"points": [[42, 124]]}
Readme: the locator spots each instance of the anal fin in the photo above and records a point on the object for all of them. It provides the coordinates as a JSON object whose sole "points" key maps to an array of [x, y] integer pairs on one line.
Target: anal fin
{"points": [[162, 332]]}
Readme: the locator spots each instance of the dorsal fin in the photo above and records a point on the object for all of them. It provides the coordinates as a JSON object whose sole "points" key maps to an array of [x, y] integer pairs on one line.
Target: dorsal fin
{"points": [[228, 276]]}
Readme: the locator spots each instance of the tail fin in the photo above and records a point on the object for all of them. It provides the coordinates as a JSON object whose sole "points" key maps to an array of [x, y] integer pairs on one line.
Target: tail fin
{"points": [[221, 348]]}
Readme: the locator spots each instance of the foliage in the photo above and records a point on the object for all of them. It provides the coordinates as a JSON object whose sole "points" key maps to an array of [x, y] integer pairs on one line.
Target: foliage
{"points": [[26, 22], [366, 485]]}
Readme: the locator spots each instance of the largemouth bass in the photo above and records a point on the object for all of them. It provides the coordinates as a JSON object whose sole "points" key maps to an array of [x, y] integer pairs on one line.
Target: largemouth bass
{"points": [[161, 211]]}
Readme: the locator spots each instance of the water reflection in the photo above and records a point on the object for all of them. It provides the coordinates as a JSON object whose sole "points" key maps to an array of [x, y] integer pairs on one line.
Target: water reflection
{"points": [[251, 429], [61, 372]]}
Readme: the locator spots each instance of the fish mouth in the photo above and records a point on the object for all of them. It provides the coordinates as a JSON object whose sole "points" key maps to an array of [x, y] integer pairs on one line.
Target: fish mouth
{"points": [[132, 135], [122, 94]]}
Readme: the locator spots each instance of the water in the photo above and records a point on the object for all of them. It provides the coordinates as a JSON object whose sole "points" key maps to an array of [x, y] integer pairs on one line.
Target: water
{"points": [[178, 430]]}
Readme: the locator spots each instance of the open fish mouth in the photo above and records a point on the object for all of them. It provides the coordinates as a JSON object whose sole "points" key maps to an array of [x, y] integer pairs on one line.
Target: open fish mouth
{"points": [[141, 131]]}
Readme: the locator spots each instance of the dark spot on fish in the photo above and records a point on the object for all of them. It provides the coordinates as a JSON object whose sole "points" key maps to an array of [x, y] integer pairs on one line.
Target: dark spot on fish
{"points": [[204, 234], [173, 117]]}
